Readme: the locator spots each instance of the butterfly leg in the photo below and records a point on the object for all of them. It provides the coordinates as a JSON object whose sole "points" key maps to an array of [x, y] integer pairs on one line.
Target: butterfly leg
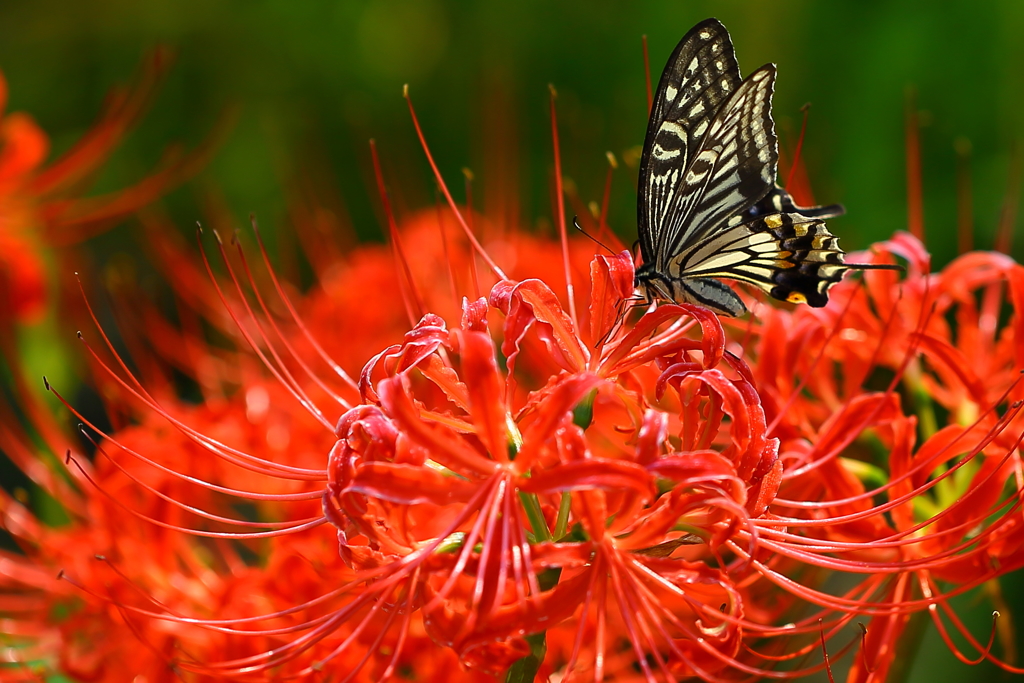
{"points": [[622, 309]]}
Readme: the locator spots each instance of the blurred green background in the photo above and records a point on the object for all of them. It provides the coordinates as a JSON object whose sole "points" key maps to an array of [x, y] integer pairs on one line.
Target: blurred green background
{"points": [[316, 80], [313, 81]]}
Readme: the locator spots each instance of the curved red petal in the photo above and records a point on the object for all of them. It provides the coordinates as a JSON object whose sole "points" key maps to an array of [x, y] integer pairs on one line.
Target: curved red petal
{"points": [[635, 348], [409, 484], [593, 473], [611, 283], [531, 304], [551, 411], [445, 446], [652, 435], [486, 391], [474, 314]]}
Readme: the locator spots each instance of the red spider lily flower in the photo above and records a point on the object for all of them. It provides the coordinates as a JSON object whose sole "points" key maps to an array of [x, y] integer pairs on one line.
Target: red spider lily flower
{"points": [[454, 471], [42, 206], [81, 598], [117, 544], [169, 469], [942, 452]]}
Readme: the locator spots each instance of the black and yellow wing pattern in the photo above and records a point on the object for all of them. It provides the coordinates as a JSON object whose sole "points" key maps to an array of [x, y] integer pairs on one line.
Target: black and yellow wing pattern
{"points": [[709, 206]]}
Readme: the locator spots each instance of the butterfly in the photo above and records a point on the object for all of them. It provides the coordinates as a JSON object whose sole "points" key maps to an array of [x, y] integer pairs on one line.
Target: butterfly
{"points": [[709, 205]]}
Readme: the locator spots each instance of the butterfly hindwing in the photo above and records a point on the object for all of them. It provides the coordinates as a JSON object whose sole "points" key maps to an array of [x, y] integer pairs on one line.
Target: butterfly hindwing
{"points": [[790, 257], [814, 261]]}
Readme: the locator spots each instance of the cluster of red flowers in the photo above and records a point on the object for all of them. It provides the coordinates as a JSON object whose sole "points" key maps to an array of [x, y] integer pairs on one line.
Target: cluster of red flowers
{"points": [[526, 485]]}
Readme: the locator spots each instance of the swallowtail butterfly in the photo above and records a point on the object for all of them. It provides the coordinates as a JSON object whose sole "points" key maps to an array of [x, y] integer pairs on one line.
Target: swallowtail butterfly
{"points": [[709, 205]]}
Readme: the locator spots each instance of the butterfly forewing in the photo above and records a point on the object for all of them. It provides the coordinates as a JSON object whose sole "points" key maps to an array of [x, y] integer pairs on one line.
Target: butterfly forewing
{"points": [[732, 170], [701, 73]]}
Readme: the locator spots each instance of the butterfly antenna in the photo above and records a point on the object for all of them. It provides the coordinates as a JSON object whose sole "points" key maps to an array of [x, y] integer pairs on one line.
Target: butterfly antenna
{"points": [[576, 224], [876, 266]]}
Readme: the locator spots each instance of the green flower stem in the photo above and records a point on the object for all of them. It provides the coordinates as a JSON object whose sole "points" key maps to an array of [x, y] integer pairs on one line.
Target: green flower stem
{"points": [[531, 505], [562, 521]]}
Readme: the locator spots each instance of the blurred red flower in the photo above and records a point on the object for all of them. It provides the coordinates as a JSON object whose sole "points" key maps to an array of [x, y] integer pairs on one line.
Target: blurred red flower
{"points": [[44, 206]]}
